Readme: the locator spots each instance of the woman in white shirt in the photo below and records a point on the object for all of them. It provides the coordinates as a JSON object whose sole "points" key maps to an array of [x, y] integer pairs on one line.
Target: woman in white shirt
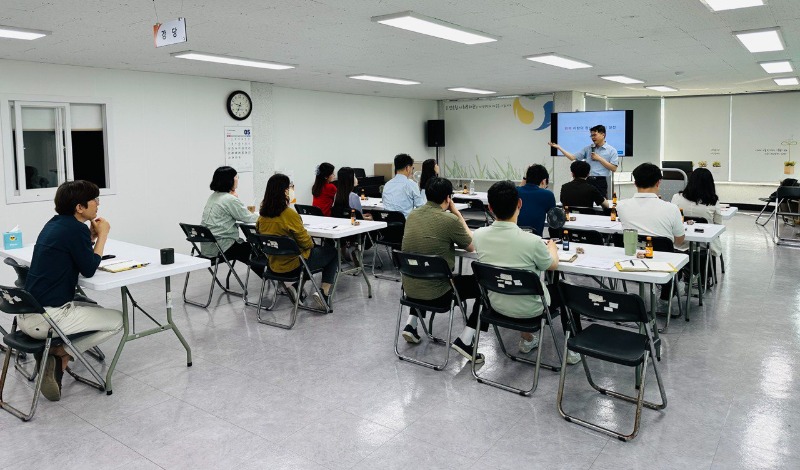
{"points": [[699, 199]]}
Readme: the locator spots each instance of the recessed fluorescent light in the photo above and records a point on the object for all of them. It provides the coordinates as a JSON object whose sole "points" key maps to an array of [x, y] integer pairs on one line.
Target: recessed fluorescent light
{"points": [[473, 90], [764, 40], [558, 61], [661, 88], [719, 5], [411, 21], [620, 79], [223, 59], [376, 78], [11, 32], [778, 66], [787, 81]]}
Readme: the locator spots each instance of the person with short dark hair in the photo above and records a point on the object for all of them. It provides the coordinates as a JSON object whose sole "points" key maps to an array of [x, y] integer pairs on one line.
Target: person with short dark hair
{"points": [[277, 218], [223, 209], [578, 192], [64, 250], [431, 230], [323, 190], [602, 158], [506, 245], [536, 198], [400, 193]]}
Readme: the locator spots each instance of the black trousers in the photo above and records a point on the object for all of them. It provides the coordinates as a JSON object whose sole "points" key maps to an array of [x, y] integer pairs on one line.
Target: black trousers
{"points": [[467, 288], [240, 251], [600, 183]]}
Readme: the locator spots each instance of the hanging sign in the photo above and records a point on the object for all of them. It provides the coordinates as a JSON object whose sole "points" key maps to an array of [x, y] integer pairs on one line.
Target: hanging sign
{"points": [[171, 32]]}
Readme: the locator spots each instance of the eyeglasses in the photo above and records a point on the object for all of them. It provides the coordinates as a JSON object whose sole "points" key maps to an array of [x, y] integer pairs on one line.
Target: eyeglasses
{"points": [[97, 199]]}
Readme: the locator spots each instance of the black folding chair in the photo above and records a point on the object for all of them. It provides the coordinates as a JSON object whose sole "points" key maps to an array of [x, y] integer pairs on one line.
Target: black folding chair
{"points": [[517, 282], [591, 237], [271, 245], [610, 344], [15, 301], [303, 209], [199, 234], [786, 196], [586, 210], [429, 268], [772, 201], [390, 238]]}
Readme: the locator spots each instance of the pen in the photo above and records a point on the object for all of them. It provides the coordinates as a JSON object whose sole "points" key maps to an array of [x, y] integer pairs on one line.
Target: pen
{"points": [[335, 226]]}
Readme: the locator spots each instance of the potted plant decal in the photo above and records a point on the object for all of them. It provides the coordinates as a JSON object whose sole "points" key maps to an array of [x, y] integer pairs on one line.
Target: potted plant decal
{"points": [[702, 163], [788, 167]]}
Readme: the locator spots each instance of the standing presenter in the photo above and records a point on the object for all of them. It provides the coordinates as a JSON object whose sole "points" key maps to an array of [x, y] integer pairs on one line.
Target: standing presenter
{"points": [[602, 158]]}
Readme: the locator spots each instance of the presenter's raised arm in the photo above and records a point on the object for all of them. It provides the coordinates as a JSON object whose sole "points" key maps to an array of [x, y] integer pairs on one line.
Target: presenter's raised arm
{"points": [[558, 147]]}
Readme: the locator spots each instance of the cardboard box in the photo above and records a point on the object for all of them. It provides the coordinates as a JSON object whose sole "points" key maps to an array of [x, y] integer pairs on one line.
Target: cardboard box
{"points": [[12, 240], [384, 169]]}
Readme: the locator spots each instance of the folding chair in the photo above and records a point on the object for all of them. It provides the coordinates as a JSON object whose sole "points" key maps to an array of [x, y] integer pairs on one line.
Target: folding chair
{"points": [[787, 195], [15, 301], [606, 343], [429, 268], [591, 237], [390, 237], [308, 210], [476, 206], [511, 281], [199, 234], [585, 210], [772, 201], [271, 245]]}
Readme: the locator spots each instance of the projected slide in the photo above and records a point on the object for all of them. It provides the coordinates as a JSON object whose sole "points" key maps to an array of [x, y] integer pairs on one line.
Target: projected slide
{"points": [[571, 130]]}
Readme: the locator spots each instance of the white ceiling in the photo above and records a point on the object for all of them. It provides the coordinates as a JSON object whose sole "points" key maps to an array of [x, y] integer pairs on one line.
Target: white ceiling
{"points": [[679, 43]]}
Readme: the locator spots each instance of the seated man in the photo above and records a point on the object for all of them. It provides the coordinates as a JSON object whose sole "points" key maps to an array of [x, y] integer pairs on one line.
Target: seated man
{"points": [[578, 192], [400, 193], [536, 199], [431, 230], [649, 215], [64, 250], [504, 244]]}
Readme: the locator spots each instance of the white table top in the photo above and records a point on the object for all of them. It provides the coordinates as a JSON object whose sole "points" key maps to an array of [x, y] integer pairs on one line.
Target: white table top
{"points": [[729, 212], [603, 224], [482, 196], [599, 261], [376, 203], [330, 227], [124, 251]]}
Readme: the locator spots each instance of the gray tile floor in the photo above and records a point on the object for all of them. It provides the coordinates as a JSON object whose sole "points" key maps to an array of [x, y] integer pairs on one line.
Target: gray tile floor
{"points": [[330, 393]]}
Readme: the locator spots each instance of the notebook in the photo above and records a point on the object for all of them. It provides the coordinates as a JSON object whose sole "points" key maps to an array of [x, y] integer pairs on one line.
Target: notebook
{"points": [[566, 257], [124, 265], [645, 265]]}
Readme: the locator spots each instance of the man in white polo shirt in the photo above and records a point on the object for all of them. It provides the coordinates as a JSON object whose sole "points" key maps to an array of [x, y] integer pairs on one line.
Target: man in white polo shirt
{"points": [[649, 215]]}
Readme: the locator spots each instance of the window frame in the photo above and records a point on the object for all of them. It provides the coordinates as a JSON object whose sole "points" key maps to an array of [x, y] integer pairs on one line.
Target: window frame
{"points": [[66, 165]]}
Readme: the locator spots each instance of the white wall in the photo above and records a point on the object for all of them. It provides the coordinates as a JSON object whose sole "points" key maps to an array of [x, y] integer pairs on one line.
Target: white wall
{"points": [[311, 127]]}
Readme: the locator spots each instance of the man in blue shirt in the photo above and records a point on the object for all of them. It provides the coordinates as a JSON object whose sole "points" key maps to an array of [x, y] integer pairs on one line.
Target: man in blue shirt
{"points": [[536, 200], [63, 251], [603, 158], [400, 193]]}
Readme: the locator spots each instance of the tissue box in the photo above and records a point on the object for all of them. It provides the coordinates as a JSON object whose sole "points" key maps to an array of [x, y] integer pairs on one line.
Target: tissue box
{"points": [[12, 240]]}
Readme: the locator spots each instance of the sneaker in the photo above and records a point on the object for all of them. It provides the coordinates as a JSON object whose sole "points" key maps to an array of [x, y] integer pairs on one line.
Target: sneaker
{"points": [[410, 334], [50, 388], [573, 358], [527, 346], [466, 351], [322, 301]]}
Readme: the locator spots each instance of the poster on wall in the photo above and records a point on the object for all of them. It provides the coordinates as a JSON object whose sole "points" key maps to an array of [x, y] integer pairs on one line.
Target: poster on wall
{"points": [[496, 138], [239, 148]]}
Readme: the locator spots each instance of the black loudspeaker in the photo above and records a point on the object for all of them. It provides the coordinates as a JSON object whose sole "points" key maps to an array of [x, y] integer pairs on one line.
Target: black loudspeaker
{"points": [[435, 132]]}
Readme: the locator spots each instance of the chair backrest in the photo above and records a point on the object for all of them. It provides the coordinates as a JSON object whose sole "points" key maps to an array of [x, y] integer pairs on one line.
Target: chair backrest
{"points": [[592, 237], [251, 235], [22, 271], [273, 245], [15, 300], [508, 281], [343, 212], [697, 220], [197, 233], [392, 218], [602, 304], [422, 266], [659, 243], [359, 173], [788, 192], [674, 182], [302, 209], [585, 210]]}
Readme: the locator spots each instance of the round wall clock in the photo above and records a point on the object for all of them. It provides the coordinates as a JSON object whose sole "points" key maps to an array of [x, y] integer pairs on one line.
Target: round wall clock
{"points": [[239, 105]]}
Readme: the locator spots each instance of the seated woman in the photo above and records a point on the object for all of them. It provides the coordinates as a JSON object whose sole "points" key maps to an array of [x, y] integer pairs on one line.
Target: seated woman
{"points": [[277, 218], [429, 169], [699, 199], [323, 190], [346, 200], [223, 209]]}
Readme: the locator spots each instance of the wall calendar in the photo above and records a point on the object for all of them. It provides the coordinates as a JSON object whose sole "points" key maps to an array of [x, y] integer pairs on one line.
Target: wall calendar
{"points": [[239, 148]]}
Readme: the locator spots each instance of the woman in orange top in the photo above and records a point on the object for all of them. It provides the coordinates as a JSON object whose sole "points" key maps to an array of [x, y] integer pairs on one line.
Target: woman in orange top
{"points": [[277, 218], [324, 191]]}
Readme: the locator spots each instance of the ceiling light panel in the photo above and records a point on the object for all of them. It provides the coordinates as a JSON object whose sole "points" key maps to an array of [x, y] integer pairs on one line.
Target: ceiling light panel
{"points": [[11, 32], [621, 79], [559, 61], [417, 23], [377, 78], [661, 88], [720, 5], [764, 40], [473, 91], [222, 59], [787, 81], [778, 66]]}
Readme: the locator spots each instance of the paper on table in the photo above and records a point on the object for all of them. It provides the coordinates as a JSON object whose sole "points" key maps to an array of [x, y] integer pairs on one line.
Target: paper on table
{"points": [[596, 263]]}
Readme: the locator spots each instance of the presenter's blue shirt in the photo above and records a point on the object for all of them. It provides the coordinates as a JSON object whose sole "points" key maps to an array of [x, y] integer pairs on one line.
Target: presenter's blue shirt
{"points": [[606, 151], [63, 250], [535, 204]]}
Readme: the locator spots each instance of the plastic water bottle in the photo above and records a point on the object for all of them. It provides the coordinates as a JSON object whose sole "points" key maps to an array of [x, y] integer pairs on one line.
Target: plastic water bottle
{"points": [[472, 186]]}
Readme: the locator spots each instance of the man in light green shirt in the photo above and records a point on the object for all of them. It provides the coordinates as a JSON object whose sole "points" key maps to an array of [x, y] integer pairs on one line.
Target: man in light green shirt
{"points": [[504, 244]]}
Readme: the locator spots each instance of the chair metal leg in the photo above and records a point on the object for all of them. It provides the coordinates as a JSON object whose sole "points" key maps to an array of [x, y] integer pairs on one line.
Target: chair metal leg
{"points": [[762, 212], [36, 389], [96, 353], [429, 329], [292, 316], [383, 276], [430, 365], [210, 292]]}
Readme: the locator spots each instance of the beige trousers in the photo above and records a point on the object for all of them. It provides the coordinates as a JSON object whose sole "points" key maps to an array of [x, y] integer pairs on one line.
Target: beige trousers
{"points": [[75, 317]]}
